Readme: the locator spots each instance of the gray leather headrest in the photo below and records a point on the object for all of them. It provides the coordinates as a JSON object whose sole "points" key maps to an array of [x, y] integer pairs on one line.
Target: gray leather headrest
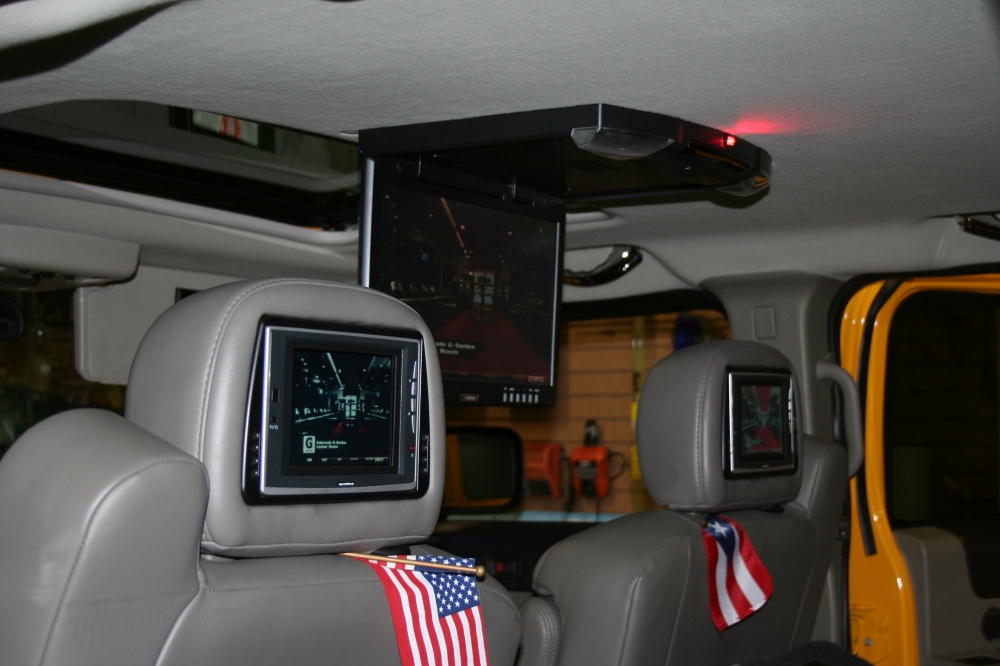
{"points": [[680, 430], [189, 385]]}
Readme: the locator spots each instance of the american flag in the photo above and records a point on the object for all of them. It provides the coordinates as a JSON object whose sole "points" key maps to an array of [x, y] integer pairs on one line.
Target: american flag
{"points": [[738, 582], [436, 613]]}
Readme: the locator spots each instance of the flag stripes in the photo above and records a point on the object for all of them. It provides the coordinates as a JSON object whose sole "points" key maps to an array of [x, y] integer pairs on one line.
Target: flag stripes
{"points": [[437, 616], [738, 582]]}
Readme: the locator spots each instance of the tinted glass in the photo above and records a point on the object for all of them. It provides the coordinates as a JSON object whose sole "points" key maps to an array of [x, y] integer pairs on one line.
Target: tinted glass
{"points": [[188, 155], [38, 376], [941, 425]]}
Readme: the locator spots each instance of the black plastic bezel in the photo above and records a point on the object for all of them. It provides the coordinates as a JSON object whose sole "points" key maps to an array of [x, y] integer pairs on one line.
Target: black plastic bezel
{"points": [[734, 465], [252, 468]]}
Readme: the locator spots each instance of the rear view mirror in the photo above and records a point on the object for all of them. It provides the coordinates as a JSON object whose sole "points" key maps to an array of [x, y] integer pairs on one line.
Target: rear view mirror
{"points": [[483, 470], [11, 320]]}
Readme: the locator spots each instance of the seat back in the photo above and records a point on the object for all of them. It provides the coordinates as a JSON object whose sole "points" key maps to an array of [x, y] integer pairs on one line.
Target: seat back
{"points": [[635, 590], [129, 541]]}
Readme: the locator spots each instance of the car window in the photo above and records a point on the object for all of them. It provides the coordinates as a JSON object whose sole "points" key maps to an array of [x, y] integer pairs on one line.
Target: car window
{"points": [[189, 155], [38, 376], [941, 420], [602, 364]]}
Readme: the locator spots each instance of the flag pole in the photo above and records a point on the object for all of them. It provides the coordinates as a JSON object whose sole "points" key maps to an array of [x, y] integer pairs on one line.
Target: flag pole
{"points": [[478, 571]]}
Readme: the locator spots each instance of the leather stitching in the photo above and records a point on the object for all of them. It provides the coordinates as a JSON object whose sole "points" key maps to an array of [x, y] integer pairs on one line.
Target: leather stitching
{"points": [[86, 536], [373, 579], [554, 640], [699, 421], [550, 635], [680, 604], [318, 543], [635, 584]]}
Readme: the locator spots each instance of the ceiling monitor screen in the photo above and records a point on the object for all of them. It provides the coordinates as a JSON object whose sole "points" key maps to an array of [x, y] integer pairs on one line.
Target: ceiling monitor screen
{"points": [[761, 432], [335, 414], [485, 275]]}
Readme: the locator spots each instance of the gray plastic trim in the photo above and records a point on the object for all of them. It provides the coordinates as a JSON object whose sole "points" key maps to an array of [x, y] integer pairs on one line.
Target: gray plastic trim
{"points": [[853, 425]]}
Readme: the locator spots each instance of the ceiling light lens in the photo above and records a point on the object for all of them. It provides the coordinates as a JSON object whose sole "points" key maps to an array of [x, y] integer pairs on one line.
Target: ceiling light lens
{"points": [[617, 144]]}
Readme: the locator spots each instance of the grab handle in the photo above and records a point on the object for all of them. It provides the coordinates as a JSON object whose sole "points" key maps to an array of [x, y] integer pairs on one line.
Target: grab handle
{"points": [[854, 428]]}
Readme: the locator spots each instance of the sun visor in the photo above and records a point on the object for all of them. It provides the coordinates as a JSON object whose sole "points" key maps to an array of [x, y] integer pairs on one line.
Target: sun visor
{"points": [[111, 321], [35, 259]]}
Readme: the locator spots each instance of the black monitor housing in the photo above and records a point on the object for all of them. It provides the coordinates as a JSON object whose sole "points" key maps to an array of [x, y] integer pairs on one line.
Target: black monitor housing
{"points": [[761, 435], [531, 164], [336, 413]]}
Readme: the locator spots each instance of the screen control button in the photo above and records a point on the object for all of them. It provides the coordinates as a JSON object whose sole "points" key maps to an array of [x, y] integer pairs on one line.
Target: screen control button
{"points": [[425, 453], [413, 423]]}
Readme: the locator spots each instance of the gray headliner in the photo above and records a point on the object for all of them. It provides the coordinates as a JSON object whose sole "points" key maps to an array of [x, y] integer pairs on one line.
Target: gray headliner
{"points": [[886, 112]]}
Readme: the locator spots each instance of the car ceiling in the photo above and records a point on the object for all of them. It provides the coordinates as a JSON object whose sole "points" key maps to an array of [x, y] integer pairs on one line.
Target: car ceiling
{"points": [[881, 118]]}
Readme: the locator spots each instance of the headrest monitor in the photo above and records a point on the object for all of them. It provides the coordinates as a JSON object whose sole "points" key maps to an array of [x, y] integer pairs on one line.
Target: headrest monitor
{"points": [[335, 415], [761, 432]]}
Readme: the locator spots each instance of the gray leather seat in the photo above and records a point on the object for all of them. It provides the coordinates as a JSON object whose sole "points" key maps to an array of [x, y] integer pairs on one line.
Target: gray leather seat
{"points": [[635, 590], [127, 541]]}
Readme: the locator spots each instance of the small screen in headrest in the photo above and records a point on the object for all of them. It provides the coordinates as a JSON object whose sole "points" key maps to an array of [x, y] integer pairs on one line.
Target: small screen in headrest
{"points": [[761, 423], [761, 426], [336, 414], [341, 408]]}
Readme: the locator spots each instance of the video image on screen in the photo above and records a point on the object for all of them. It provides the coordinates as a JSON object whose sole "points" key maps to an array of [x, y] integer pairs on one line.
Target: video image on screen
{"points": [[341, 408], [761, 421], [483, 280]]}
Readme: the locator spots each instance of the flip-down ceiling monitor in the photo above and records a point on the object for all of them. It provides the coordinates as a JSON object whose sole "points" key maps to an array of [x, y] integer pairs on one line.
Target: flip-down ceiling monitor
{"points": [[464, 221], [579, 154], [484, 273]]}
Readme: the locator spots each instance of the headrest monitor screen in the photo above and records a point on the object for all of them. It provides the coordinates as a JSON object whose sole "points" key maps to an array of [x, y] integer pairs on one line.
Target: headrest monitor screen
{"points": [[761, 430], [341, 408], [335, 414], [761, 421], [486, 277]]}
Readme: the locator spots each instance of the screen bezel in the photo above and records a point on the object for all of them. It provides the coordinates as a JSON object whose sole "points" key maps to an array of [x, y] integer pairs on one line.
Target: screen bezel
{"points": [[735, 464], [383, 172], [269, 478]]}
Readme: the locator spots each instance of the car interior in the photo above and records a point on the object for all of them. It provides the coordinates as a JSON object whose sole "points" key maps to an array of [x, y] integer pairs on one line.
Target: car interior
{"points": [[655, 333]]}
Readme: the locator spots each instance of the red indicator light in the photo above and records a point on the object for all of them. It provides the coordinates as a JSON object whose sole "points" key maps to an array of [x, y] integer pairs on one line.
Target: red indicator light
{"points": [[730, 141]]}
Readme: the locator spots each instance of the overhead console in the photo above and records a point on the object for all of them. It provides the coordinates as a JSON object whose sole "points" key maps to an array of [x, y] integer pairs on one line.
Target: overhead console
{"points": [[578, 154], [464, 221]]}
